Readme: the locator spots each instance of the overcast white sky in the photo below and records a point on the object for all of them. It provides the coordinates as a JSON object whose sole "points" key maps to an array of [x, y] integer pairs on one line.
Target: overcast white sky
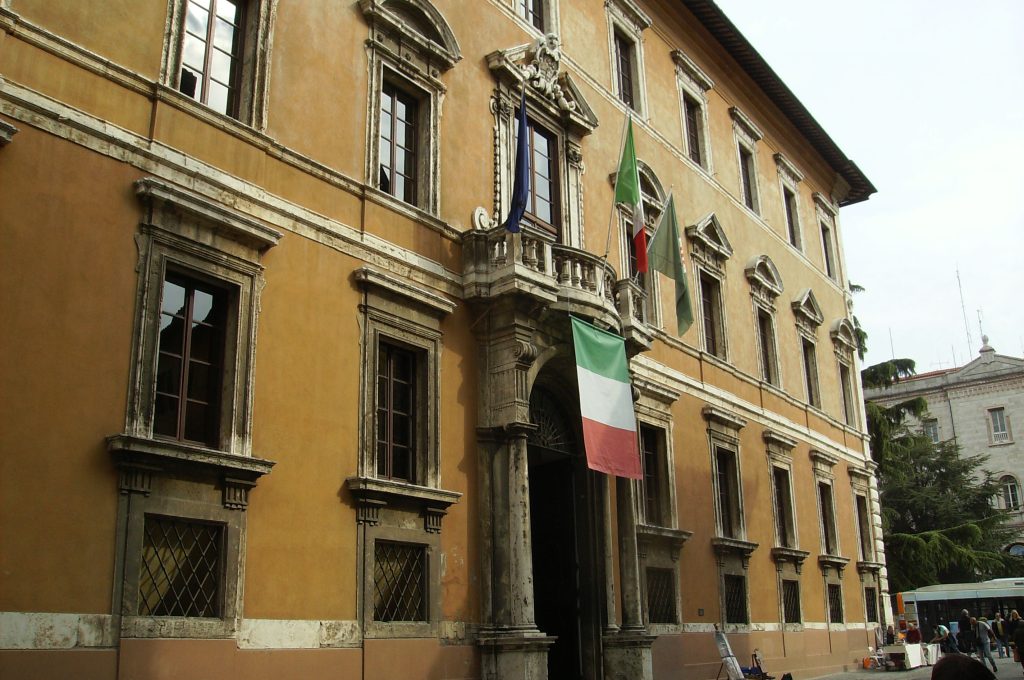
{"points": [[927, 97]]}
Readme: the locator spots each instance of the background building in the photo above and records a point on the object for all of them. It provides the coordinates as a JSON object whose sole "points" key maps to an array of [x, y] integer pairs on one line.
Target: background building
{"points": [[283, 398], [975, 405]]}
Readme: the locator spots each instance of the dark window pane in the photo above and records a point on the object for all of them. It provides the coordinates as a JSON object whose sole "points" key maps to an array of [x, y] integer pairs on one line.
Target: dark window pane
{"points": [[791, 601], [181, 568], [168, 374], [165, 416], [198, 422], [399, 582]]}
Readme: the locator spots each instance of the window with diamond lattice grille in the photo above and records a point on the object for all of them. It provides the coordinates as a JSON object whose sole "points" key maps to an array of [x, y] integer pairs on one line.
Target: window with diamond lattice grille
{"points": [[399, 582], [735, 598], [835, 603], [871, 604], [791, 601], [661, 596], [181, 568]]}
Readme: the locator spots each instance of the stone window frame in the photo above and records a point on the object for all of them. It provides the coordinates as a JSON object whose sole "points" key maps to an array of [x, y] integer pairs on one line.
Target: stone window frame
{"points": [[1007, 431], [653, 205], [553, 101], [254, 80], [187, 232], [733, 553], [627, 21], [746, 135], [831, 563], [710, 250], [827, 216], [862, 487], [406, 57], [765, 287], [789, 559], [390, 531], [844, 343], [1009, 486], [930, 429], [694, 83], [550, 14], [808, 317], [789, 181], [7, 132]]}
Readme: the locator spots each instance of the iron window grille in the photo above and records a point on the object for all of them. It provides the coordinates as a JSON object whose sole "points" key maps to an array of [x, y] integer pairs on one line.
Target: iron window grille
{"points": [[835, 603], [399, 582], [871, 604], [211, 53], [791, 601], [181, 568], [189, 375], [735, 598], [661, 596]]}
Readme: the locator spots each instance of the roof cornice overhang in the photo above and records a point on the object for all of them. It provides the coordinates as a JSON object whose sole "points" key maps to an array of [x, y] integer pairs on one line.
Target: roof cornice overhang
{"points": [[730, 38]]}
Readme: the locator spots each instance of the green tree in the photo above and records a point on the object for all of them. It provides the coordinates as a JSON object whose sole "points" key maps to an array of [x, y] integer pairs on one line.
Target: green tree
{"points": [[939, 522], [885, 423]]}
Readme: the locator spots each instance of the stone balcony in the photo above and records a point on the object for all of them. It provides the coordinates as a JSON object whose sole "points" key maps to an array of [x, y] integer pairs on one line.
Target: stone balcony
{"points": [[529, 264]]}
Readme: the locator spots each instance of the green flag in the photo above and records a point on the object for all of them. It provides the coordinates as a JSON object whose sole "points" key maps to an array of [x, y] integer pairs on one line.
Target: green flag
{"points": [[627, 191], [664, 256]]}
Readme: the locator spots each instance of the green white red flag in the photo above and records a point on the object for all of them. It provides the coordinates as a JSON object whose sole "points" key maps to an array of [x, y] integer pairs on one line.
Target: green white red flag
{"points": [[665, 257], [627, 191], [606, 401]]}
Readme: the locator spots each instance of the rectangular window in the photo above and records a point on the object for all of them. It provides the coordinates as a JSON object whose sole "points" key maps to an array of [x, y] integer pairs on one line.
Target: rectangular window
{"points": [[835, 603], [211, 53], [625, 60], [792, 225], [543, 198], [399, 114], [189, 377], [871, 604], [728, 494], [864, 528], [694, 120], [828, 519], [931, 430], [399, 582], [652, 447], [846, 392], [829, 252], [735, 586], [790, 601], [1000, 430], [766, 340], [783, 508], [180, 574], [396, 412], [748, 178], [811, 373], [533, 12], [661, 596], [1011, 493], [711, 307]]}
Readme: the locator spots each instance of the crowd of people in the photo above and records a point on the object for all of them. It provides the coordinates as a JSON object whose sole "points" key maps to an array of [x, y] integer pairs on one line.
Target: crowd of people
{"points": [[975, 636]]}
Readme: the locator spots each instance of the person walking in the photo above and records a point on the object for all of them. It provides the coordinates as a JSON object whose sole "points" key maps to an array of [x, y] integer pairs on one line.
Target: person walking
{"points": [[965, 633], [983, 638], [999, 629], [1018, 637]]}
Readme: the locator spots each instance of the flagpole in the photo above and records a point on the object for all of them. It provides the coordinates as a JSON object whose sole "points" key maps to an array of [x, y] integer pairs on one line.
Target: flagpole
{"points": [[611, 214]]}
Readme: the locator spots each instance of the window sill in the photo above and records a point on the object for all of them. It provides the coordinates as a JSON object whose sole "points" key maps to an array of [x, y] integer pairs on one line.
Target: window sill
{"points": [[139, 458], [372, 494], [734, 546], [868, 567], [836, 562], [793, 555], [648, 535]]}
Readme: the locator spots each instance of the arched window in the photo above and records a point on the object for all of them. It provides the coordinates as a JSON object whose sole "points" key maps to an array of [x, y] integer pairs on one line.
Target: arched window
{"points": [[1011, 492]]}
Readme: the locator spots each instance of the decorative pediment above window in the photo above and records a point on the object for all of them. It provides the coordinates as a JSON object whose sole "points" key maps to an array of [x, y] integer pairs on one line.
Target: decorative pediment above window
{"points": [[538, 64], [788, 170], [744, 125], [807, 312], [844, 338], [723, 422], [860, 479], [710, 246], [413, 26], [687, 69], [824, 205], [630, 12], [765, 281], [823, 463], [779, 447], [403, 293]]}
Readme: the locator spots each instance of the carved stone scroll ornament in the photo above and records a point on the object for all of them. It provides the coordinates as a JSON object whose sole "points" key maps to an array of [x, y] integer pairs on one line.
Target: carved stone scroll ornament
{"points": [[541, 71]]}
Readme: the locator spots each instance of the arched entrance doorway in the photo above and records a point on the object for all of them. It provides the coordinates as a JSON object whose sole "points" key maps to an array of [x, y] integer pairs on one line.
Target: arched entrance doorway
{"points": [[567, 544]]}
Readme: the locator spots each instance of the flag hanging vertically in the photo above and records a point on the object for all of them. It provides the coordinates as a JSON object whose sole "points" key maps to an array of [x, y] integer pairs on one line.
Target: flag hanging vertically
{"points": [[521, 178], [627, 191], [665, 257], [606, 401]]}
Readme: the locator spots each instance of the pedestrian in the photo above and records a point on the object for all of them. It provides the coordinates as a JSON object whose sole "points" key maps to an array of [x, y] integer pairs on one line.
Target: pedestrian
{"points": [[1002, 634], [960, 668], [1018, 639], [965, 632], [983, 639], [944, 639]]}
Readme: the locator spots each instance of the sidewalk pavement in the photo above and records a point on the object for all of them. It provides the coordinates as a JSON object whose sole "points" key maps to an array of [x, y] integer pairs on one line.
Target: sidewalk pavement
{"points": [[1007, 670]]}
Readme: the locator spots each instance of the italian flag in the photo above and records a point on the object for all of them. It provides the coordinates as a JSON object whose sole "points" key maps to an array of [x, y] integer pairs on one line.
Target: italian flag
{"points": [[606, 401], [627, 191]]}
